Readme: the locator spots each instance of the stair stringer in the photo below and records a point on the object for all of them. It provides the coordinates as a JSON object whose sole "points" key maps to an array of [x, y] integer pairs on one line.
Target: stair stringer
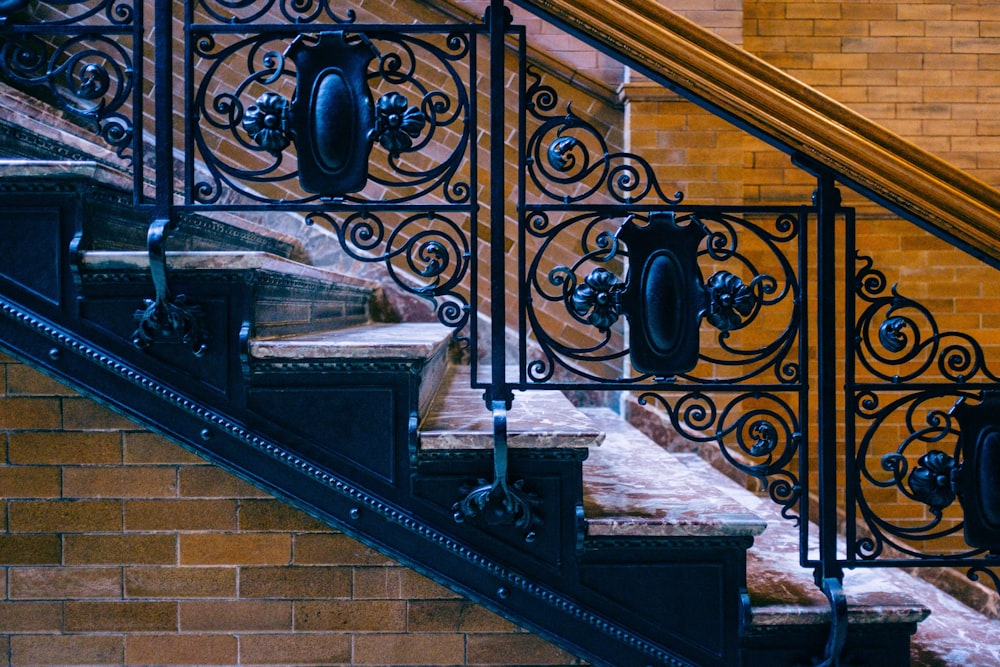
{"points": [[563, 588]]}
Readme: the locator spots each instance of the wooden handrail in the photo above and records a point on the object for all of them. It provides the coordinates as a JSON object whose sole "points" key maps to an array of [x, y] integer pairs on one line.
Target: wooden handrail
{"points": [[669, 47]]}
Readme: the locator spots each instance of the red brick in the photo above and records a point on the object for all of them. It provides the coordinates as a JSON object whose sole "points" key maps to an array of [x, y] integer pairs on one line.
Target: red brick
{"points": [[180, 582], [61, 583], [235, 549], [64, 516], [121, 616], [181, 515], [65, 447], [26, 381], [186, 649], [235, 615], [320, 649], [295, 582], [350, 616], [120, 549], [68, 650]]}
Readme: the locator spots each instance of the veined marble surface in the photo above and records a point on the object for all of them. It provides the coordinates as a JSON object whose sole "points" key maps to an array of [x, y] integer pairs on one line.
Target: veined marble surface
{"points": [[634, 488], [458, 419], [232, 260], [403, 340], [953, 635]]}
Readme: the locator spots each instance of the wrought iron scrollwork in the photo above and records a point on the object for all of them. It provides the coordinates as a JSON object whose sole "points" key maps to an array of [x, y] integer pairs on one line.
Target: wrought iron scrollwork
{"points": [[411, 127], [90, 76], [297, 12], [568, 159]]}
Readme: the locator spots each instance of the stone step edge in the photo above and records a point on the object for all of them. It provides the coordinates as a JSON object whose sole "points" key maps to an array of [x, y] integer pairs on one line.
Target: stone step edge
{"points": [[222, 260], [458, 419], [781, 593], [633, 488]]}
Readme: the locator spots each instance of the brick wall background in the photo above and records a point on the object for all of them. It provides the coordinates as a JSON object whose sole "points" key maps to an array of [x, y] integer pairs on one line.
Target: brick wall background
{"points": [[120, 548]]}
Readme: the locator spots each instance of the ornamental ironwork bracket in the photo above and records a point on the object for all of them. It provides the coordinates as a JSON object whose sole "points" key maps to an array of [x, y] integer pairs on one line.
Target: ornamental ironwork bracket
{"points": [[500, 502], [976, 480], [332, 118]]}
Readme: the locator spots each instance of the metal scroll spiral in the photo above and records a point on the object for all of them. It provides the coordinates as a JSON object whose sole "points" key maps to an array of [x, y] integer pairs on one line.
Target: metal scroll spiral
{"points": [[899, 340], [114, 13], [425, 254], [568, 160], [414, 118], [918, 470], [298, 12], [89, 76], [757, 433]]}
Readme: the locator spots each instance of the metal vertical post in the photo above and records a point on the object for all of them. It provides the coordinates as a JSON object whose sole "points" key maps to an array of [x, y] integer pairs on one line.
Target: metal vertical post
{"points": [[829, 574], [498, 292]]}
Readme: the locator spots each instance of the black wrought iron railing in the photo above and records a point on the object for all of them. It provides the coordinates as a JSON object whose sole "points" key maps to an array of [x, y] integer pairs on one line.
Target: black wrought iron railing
{"points": [[441, 154]]}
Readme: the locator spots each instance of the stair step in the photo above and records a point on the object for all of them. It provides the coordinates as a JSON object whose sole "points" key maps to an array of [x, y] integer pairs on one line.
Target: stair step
{"points": [[423, 343], [459, 419], [291, 297], [635, 488], [782, 594]]}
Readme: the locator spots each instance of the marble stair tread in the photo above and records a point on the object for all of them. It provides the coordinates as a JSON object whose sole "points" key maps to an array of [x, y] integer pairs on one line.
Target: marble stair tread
{"points": [[632, 487], [54, 169], [401, 340], [783, 593], [229, 260], [458, 419]]}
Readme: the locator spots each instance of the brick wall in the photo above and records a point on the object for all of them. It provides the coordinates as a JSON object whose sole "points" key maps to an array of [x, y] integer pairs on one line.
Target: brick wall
{"points": [[120, 548]]}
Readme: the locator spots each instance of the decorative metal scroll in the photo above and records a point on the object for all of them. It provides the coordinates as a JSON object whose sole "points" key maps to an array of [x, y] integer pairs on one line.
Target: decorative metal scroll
{"points": [[666, 305], [296, 12], [89, 75], [935, 388], [369, 114]]}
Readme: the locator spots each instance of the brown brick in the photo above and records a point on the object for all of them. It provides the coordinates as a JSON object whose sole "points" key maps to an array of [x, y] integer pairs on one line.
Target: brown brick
{"points": [[300, 583], [317, 649], [121, 616], [453, 616], [275, 515], [64, 516], [68, 650], [180, 582], [409, 650], [180, 515], [146, 447], [519, 649], [62, 583], [350, 616], [30, 414], [335, 549], [235, 549], [30, 550], [119, 482], [120, 549], [26, 381], [236, 615], [213, 482], [65, 447], [179, 649], [29, 482], [16, 617], [83, 414]]}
